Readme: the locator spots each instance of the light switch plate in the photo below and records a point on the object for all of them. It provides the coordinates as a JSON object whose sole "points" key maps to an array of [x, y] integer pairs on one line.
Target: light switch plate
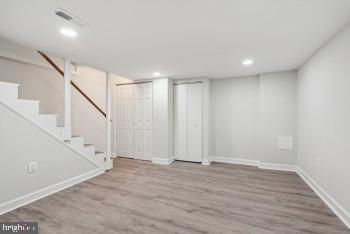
{"points": [[32, 167], [285, 143]]}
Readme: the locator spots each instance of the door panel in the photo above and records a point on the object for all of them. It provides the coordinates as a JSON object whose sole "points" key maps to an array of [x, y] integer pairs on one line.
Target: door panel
{"points": [[188, 133], [148, 115], [134, 121], [129, 120], [143, 121], [125, 120], [120, 121], [195, 129], [180, 122]]}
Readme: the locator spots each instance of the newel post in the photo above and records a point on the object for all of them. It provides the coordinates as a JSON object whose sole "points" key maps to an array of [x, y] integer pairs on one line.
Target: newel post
{"points": [[108, 160], [67, 101]]}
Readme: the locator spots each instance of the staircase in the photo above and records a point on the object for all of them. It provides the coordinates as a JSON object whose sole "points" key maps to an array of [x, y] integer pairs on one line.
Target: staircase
{"points": [[30, 110]]}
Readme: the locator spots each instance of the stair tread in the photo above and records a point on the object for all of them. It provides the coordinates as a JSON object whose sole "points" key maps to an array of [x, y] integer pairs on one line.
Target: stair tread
{"points": [[9, 83], [47, 114], [27, 100], [76, 137]]}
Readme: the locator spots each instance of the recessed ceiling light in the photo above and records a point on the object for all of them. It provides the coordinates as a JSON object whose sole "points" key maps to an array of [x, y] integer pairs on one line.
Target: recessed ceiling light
{"points": [[68, 32], [156, 74], [248, 62]]}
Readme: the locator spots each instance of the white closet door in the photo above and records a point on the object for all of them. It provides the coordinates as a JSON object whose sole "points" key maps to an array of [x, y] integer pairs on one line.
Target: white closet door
{"points": [[180, 122], [195, 125], [120, 120], [134, 121], [188, 133], [125, 120], [143, 121]]}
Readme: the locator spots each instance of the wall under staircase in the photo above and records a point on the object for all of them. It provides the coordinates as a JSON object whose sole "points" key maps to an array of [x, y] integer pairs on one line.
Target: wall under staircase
{"points": [[28, 136]]}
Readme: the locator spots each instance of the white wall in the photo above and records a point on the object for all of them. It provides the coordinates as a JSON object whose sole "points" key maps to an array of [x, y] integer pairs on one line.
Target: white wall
{"points": [[324, 118], [277, 116], [21, 143], [162, 124], [234, 117]]}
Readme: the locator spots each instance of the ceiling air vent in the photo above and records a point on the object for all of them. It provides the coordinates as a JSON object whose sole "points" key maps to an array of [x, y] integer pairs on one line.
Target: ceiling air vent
{"points": [[65, 15]]}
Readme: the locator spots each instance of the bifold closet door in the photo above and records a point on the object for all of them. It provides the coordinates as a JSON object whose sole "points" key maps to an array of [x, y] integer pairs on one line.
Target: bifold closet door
{"points": [[134, 121], [188, 132], [195, 128], [125, 120], [143, 121], [180, 122]]}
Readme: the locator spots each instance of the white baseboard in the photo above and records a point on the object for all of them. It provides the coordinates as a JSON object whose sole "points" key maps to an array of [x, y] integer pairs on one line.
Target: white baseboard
{"points": [[235, 161], [31, 197], [261, 165], [206, 162], [164, 161], [278, 167], [341, 212]]}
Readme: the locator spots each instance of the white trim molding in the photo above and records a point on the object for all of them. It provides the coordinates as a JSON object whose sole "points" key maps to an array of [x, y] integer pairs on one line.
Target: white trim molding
{"points": [[34, 196], [255, 163], [235, 161], [163, 161], [277, 167], [340, 211]]}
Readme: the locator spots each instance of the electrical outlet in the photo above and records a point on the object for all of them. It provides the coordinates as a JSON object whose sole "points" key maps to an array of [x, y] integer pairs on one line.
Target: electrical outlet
{"points": [[32, 167], [318, 161]]}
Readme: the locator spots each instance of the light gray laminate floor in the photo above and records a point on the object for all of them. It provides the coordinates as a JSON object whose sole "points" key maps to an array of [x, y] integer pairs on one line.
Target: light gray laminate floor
{"points": [[141, 197]]}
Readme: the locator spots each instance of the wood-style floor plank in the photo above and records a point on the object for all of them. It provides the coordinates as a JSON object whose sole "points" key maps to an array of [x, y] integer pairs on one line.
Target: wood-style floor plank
{"points": [[141, 197]]}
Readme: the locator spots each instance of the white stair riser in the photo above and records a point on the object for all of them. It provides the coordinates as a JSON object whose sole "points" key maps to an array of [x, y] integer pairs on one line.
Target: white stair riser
{"points": [[28, 107], [100, 159], [60, 132], [48, 121], [8, 93], [89, 151], [77, 142]]}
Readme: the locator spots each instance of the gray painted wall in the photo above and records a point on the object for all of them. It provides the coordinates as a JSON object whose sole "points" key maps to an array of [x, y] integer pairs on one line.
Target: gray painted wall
{"points": [[277, 116], [248, 114], [324, 118], [234, 117]]}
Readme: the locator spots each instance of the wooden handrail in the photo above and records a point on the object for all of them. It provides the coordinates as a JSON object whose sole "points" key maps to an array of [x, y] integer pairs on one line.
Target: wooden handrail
{"points": [[72, 83]]}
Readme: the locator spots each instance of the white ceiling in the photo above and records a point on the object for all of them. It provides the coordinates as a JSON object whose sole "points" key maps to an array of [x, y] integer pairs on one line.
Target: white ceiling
{"points": [[179, 38]]}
